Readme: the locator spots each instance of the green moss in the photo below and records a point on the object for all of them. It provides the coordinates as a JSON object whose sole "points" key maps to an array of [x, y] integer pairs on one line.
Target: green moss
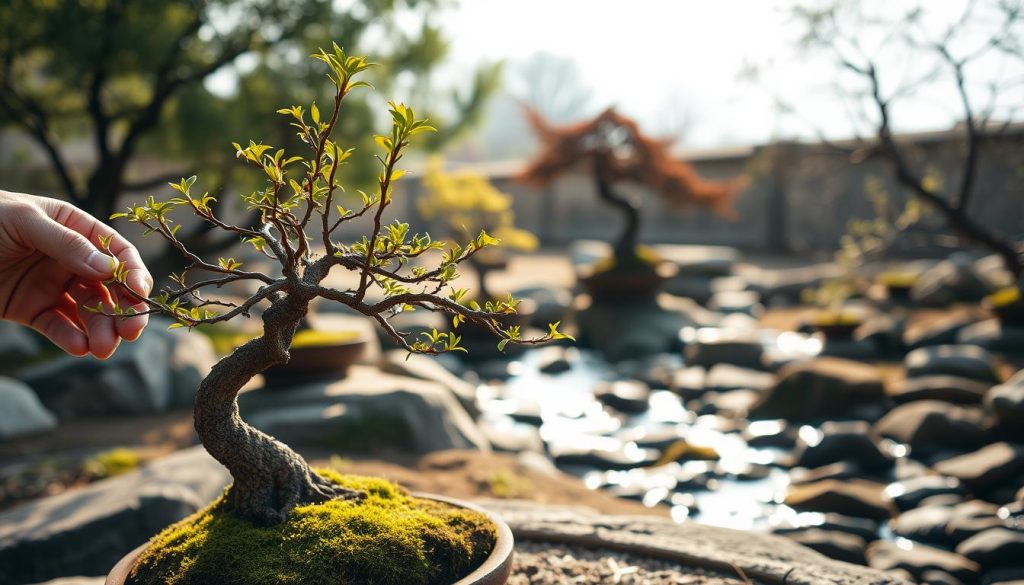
{"points": [[111, 463], [390, 538], [644, 260]]}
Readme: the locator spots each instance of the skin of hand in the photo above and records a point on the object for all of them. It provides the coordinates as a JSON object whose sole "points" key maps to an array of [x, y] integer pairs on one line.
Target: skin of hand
{"points": [[51, 268]]}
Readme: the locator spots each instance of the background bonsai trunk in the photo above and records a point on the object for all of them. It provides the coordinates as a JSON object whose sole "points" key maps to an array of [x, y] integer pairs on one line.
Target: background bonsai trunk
{"points": [[482, 269], [625, 246], [269, 478]]}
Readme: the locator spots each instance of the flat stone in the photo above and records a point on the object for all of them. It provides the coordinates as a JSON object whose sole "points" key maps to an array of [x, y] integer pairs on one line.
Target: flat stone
{"points": [[993, 336], [363, 410], [86, 531], [626, 396], [951, 389], [713, 347], [862, 527], [761, 557], [930, 426], [700, 260], [909, 493], [21, 413], [971, 518], [819, 389], [926, 524], [688, 382], [985, 467], [918, 558], [1006, 402], [858, 498], [963, 361], [942, 330], [948, 282], [725, 377], [995, 547], [843, 441], [840, 546]]}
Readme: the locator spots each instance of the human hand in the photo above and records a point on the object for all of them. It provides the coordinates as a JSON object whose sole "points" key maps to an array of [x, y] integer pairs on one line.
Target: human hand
{"points": [[51, 269]]}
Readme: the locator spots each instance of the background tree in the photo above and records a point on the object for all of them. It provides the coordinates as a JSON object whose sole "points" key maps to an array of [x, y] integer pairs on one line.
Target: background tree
{"points": [[978, 55], [135, 78], [614, 149]]}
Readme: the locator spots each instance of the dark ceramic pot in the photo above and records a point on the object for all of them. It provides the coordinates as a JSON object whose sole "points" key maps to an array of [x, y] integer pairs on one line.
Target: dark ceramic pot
{"points": [[618, 284], [836, 330], [314, 363], [495, 570]]}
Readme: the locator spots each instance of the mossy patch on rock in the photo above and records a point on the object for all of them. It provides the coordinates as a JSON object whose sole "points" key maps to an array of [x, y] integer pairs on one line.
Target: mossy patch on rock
{"points": [[389, 538]]}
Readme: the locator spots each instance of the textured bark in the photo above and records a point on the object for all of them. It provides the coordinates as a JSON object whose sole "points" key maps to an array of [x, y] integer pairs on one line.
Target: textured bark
{"points": [[625, 246], [269, 478]]}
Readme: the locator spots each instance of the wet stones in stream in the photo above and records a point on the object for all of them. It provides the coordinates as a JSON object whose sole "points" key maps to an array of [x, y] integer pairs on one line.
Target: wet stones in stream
{"points": [[820, 389], [918, 559], [837, 442], [910, 493], [953, 389], [964, 361], [987, 467], [853, 497], [931, 427]]}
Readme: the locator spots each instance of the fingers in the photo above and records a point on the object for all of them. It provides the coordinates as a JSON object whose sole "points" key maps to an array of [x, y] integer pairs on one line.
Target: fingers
{"points": [[139, 279], [71, 249], [100, 330], [61, 330]]}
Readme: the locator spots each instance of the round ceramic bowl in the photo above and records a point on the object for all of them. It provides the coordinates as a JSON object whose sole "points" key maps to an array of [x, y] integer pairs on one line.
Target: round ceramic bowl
{"points": [[624, 284], [495, 570], [313, 363]]}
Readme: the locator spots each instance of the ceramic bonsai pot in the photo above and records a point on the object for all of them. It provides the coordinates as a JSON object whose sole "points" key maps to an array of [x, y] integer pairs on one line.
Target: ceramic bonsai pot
{"points": [[495, 570], [625, 283], [836, 326], [323, 356]]}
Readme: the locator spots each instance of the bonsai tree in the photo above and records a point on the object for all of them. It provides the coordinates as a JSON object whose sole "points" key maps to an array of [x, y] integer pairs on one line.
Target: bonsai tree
{"points": [[300, 210], [615, 151], [468, 203]]}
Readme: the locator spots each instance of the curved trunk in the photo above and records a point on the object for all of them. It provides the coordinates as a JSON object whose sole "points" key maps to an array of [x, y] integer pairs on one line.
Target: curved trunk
{"points": [[481, 278], [269, 478], [625, 246]]}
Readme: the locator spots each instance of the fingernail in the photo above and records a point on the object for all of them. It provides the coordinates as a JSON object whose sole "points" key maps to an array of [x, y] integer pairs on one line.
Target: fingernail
{"points": [[101, 263], [142, 282]]}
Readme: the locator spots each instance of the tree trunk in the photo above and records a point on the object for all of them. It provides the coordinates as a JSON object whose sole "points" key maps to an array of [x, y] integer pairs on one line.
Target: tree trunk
{"points": [[269, 478], [625, 246]]}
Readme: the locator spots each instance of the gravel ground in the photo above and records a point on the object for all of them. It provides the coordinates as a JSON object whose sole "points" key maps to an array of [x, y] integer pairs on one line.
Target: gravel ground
{"points": [[558, 564]]}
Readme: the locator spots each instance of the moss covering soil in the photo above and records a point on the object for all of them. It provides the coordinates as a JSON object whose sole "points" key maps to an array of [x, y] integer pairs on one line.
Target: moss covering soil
{"points": [[387, 538]]}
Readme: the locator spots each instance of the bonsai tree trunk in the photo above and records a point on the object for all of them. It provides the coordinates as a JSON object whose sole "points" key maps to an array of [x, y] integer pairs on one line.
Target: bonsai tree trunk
{"points": [[482, 268], [269, 478], [625, 246]]}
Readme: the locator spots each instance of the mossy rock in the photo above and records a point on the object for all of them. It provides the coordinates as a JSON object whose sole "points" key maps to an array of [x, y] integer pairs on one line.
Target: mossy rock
{"points": [[389, 538]]}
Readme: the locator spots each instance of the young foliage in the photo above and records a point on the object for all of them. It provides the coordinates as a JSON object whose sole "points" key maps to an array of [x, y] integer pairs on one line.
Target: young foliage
{"points": [[299, 219]]}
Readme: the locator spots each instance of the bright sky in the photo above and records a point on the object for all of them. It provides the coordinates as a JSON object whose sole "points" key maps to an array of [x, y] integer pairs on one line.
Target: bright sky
{"points": [[642, 55]]}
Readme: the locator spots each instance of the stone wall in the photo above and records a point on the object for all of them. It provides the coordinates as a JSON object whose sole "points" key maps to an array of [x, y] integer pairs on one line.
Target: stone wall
{"points": [[799, 199]]}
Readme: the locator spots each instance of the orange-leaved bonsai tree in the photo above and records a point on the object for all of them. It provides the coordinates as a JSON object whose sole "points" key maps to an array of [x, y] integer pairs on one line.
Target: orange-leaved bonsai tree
{"points": [[300, 213], [615, 151]]}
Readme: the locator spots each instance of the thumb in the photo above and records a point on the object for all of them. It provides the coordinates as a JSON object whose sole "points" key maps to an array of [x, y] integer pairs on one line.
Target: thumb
{"points": [[71, 249]]}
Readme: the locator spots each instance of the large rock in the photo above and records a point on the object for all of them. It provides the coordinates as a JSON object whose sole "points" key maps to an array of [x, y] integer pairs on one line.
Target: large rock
{"points": [[840, 546], [86, 531], [858, 498], [985, 467], [726, 377], [931, 426], [917, 559], [963, 361], [17, 345], [942, 330], [160, 370], [20, 411], [364, 410], [820, 388], [424, 367]]}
